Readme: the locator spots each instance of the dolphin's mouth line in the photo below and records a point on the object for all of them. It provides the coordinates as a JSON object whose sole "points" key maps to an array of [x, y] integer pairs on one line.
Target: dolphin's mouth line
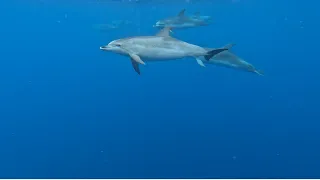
{"points": [[159, 24], [105, 48], [109, 47]]}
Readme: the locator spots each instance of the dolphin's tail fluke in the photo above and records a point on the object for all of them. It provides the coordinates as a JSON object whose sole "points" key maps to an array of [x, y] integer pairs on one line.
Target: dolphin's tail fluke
{"points": [[214, 52]]}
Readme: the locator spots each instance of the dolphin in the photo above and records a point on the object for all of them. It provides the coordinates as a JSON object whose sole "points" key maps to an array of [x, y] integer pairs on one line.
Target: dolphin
{"points": [[197, 15], [182, 21], [160, 47], [229, 60]]}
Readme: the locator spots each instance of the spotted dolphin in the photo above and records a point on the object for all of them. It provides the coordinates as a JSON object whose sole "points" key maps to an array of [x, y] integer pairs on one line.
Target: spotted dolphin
{"points": [[160, 47], [182, 21]]}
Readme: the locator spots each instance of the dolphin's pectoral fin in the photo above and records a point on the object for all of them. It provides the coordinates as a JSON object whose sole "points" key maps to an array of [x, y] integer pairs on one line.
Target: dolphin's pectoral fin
{"points": [[165, 32], [181, 13], [135, 66], [200, 62], [136, 58]]}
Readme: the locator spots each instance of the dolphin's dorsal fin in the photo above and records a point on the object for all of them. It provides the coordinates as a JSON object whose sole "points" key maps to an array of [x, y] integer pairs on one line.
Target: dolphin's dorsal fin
{"points": [[165, 32], [181, 13]]}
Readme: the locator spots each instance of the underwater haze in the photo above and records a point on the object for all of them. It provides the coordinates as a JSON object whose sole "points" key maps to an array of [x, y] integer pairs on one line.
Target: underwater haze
{"points": [[70, 110]]}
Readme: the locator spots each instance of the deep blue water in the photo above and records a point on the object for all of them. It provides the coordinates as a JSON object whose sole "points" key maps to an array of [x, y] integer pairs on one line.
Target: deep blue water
{"points": [[69, 110]]}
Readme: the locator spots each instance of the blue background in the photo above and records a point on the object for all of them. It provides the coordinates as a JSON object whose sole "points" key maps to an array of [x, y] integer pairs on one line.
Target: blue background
{"points": [[69, 110]]}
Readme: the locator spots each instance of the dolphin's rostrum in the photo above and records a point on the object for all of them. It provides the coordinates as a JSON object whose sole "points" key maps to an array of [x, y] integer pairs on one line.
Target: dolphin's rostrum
{"points": [[161, 47]]}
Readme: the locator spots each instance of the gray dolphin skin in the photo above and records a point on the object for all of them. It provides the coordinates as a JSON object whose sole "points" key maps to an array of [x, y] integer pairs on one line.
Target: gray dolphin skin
{"points": [[229, 60], [160, 47], [182, 21]]}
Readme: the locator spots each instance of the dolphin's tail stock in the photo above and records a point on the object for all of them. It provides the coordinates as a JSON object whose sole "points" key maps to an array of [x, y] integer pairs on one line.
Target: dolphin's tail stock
{"points": [[213, 52]]}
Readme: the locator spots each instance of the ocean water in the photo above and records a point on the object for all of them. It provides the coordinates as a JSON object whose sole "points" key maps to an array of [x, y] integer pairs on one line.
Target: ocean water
{"points": [[70, 110]]}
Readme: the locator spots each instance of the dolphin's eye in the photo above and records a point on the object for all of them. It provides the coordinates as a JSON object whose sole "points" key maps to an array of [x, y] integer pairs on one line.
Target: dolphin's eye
{"points": [[118, 45]]}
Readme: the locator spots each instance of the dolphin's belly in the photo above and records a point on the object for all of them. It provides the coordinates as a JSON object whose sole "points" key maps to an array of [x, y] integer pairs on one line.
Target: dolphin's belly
{"points": [[223, 63], [185, 25], [161, 54]]}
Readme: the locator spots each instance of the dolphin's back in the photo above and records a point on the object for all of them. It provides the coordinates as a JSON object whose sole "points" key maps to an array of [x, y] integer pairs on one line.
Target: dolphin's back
{"points": [[158, 47]]}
